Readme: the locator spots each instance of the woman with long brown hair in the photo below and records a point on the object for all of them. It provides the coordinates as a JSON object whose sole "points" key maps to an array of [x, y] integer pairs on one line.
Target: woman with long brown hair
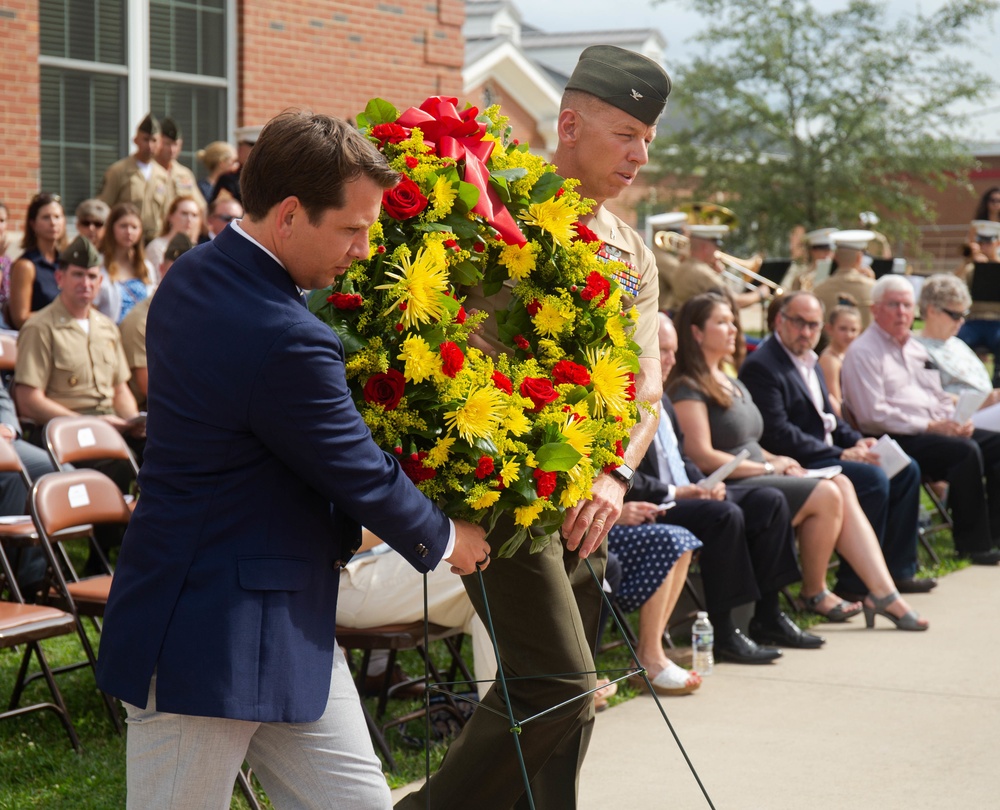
{"points": [[124, 262], [33, 275], [719, 420]]}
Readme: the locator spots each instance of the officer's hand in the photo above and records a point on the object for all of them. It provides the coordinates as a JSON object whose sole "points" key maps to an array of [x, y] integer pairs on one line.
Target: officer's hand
{"points": [[471, 549]]}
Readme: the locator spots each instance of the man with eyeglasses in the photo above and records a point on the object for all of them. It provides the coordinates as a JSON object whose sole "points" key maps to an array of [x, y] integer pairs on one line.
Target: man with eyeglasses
{"points": [[851, 277], [792, 397], [221, 212], [892, 386]]}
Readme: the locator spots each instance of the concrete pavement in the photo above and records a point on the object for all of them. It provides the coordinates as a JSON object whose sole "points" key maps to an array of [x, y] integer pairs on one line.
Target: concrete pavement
{"points": [[880, 719]]}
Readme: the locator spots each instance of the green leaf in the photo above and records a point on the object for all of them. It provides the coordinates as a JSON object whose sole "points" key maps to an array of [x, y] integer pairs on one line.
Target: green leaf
{"points": [[461, 226], [317, 299], [344, 329], [492, 287], [468, 194], [546, 187], [516, 540], [557, 457], [510, 174], [378, 111], [465, 273]]}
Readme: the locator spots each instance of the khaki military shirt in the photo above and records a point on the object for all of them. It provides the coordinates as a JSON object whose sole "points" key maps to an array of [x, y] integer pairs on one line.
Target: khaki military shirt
{"points": [[694, 278], [799, 276], [77, 370], [133, 331], [123, 182], [638, 282], [186, 185], [850, 282]]}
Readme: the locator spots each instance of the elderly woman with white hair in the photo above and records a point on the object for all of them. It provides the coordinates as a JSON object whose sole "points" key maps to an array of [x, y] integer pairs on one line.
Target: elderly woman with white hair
{"points": [[944, 305]]}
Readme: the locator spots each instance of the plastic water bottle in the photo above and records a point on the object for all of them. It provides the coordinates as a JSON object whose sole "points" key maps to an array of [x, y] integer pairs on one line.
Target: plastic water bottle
{"points": [[702, 639]]}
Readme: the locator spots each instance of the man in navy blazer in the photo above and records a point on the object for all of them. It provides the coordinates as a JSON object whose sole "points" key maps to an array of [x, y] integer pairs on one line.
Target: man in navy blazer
{"points": [[219, 633], [799, 422]]}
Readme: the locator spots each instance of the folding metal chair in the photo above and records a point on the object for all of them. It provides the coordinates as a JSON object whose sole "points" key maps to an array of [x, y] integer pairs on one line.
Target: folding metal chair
{"points": [[64, 500], [88, 439]]}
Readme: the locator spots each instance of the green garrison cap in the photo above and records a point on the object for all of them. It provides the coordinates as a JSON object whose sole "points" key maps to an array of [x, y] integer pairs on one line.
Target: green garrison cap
{"points": [[177, 247], [149, 125], [81, 253], [624, 79], [169, 129]]}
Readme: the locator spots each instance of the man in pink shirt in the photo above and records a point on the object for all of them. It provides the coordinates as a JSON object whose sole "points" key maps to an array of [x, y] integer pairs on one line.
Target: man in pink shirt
{"points": [[892, 386]]}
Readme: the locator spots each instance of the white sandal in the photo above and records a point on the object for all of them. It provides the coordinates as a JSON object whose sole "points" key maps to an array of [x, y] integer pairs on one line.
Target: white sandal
{"points": [[671, 681]]}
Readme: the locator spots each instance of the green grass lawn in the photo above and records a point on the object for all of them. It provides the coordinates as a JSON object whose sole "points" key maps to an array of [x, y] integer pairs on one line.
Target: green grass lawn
{"points": [[38, 768]]}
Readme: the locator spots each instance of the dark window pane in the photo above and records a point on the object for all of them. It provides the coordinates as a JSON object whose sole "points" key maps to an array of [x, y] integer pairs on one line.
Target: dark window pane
{"points": [[111, 19], [213, 44], [185, 36], [52, 27], [160, 36], [200, 111]]}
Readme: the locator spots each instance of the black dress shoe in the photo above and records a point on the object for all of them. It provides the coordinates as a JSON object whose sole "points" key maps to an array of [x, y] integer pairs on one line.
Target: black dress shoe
{"points": [[991, 557], [783, 632], [915, 584], [738, 649]]}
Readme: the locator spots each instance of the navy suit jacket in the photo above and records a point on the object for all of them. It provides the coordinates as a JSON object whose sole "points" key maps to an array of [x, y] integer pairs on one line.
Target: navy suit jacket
{"points": [[792, 426], [258, 472]]}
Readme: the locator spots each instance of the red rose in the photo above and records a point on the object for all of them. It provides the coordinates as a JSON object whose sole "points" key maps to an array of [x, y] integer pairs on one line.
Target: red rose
{"points": [[521, 342], [404, 200], [597, 287], [545, 483], [412, 162], [533, 307], [484, 467], [539, 390], [451, 359], [502, 381], [566, 371], [345, 300], [385, 389], [415, 469], [584, 234], [389, 133]]}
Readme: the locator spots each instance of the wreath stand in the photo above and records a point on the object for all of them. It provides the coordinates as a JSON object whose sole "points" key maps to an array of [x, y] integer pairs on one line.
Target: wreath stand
{"points": [[519, 725]]}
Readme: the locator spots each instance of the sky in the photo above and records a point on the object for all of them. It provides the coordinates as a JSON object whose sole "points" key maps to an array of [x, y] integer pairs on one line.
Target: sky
{"points": [[677, 23]]}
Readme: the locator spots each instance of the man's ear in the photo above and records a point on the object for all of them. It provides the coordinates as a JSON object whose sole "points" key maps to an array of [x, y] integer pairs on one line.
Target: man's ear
{"points": [[568, 126], [288, 209]]}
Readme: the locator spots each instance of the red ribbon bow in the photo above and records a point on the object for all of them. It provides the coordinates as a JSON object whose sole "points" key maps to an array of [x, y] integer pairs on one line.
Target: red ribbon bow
{"points": [[459, 135]]}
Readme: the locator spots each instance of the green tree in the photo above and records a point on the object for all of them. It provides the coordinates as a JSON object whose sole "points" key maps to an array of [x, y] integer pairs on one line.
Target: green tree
{"points": [[801, 117]]}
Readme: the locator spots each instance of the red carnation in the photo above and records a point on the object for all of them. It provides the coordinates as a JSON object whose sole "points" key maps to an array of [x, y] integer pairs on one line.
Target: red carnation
{"points": [[415, 469], [346, 301], [545, 483], [403, 200], [385, 389], [566, 371], [533, 307], [460, 316], [521, 342], [484, 467], [619, 450], [412, 162], [451, 359], [389, 133], [630, 390], [540, 391], [502, 381], [597, 287], [584, 234]]}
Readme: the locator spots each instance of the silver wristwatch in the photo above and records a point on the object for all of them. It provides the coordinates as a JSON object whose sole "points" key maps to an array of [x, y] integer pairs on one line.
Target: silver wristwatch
{"points": [[768, 468]]}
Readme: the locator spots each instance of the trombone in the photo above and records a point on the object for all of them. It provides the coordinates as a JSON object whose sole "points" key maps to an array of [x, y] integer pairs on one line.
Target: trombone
{"points": [[673, 242]]}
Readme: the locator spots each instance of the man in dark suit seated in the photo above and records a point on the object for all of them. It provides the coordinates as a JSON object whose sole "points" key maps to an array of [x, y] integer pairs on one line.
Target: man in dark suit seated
{"points": [[219, 633], [799, 422], [748, 553]]}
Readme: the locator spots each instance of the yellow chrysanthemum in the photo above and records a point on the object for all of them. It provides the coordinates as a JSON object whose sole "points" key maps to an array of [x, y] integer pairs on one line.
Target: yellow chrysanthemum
{"points": [[421, 362], [485, 500], [610, 380], [527, 515], [579, 434], [420, 285], [550, 320], [439, 453], [519, 261], [442, 198], [479, 416], [573, 494], [616, 332], [556, 217], [516, 422], [509, 473]]}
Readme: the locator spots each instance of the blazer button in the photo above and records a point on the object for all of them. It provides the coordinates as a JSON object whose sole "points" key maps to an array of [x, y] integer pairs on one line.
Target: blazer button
{"points": [[421, 550]]}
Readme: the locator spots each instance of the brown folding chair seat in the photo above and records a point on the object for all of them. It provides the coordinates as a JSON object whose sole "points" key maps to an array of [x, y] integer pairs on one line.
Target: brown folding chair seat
{"points": [[87, 440], [27, 625], [63, 500]]}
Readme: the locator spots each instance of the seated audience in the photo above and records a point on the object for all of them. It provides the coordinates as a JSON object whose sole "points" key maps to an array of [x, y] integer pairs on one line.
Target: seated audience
{"points": [[183, 216], [33, 275], [852, 277], [748, 553], [4, 265], [654, 560], [133, 327], [981, 329], [127, 273], [843, 325], [218, 158], [891, 386], [379, 587], [798, 419], [91, 215], [221, 211], [720, 419], [944, 305]]}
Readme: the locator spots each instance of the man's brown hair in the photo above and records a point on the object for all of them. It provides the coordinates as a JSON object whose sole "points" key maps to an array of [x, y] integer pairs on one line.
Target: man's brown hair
{"points": [[312, 157]]}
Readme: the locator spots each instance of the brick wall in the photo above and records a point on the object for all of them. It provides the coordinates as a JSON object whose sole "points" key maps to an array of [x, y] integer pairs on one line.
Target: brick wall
{"points": [[333, 56], [19, 107]]}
